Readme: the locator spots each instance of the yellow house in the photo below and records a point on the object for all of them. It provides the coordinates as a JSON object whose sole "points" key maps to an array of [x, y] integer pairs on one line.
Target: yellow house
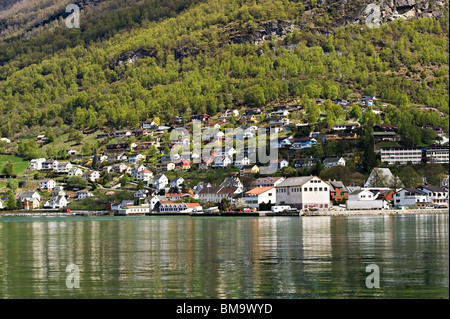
{"points": [[248, 118], [31, 203], [165, 166], [249, 169]]}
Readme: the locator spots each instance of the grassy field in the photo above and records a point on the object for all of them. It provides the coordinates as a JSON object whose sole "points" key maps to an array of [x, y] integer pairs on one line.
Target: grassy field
{"points": [[61, 142], [20, 164]]}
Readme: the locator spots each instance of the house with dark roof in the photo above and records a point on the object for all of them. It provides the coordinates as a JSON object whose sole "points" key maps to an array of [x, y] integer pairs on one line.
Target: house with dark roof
{"points": [[333, 161], [410, 197], [365, 199], [338, 192], [436, 195], [56, 202], [305, 162], [267, 181]]}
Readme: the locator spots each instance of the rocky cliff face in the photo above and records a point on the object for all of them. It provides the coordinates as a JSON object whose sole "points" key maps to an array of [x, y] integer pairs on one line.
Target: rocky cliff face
{"points": [[403, 9], [346, 12]]}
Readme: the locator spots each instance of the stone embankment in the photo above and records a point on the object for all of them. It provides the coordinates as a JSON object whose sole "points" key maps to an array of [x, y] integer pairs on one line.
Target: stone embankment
{"points": [[380, 212]]}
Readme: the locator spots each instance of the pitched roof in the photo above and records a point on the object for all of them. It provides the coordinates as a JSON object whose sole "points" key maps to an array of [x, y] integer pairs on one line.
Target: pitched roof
{"points": [[227, 190], [266, 180], [356, 192], [336, 184], [209, 190], [190, 205], [332, 159], [413, 191], [259, 190], [144, 171], [294, 181], [433, 188]]}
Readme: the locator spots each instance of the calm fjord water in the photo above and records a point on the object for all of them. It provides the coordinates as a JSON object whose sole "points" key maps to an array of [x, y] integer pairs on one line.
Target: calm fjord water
{"points": [[223, 257]]}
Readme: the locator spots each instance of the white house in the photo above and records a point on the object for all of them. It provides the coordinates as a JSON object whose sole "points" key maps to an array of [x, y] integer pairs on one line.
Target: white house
{"points": [[333, 161], [135, 158], [435, 194], [260, 195], [119, 168], [102, 158], [282, 142], [56, 202], [144, 175], [160, 181], [83, 195], [176, 182], [409, 197], [365, 199], [47, 184], [64, 167], [304, 192], [221, 162], [50, 165], [280, 163], [240, 162], [91, 176], [36, 163], [117, 157], [227, 151], [75, 171], [137, 168]]}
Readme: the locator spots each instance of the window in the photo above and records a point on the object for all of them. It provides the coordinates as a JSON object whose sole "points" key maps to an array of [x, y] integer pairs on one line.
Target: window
{"points": [[315, 189], [310, 189], [305, 189], [320, 189]]}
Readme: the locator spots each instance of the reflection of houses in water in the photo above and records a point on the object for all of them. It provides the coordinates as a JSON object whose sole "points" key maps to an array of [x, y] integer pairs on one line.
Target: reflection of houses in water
{"points": [[316, 234]]}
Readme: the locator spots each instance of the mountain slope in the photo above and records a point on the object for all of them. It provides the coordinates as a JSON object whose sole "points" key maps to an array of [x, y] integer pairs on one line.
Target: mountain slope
{"points": [[203, 57]]}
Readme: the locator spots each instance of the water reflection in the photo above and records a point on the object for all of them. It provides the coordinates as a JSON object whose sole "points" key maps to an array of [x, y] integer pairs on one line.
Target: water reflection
{"points": [[173, 257]]}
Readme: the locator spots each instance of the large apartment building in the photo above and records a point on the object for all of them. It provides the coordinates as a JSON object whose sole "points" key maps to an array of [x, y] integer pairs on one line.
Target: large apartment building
{"points": [[415, 155], [401, 155], [437, 154]]}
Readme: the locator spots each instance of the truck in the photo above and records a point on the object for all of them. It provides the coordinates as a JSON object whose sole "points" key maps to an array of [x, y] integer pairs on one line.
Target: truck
{"points": [[281, 208]]}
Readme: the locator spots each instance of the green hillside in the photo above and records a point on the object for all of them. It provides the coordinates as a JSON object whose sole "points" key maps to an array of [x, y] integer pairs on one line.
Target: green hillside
{"points": [[184, 57]]}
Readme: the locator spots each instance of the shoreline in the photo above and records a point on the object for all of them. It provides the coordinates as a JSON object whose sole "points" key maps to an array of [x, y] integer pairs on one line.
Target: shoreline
{"points": [[224, 214]]}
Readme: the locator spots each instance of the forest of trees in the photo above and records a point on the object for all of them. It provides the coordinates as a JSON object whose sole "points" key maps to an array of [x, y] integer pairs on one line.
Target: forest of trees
{"points": [[187, 62]]}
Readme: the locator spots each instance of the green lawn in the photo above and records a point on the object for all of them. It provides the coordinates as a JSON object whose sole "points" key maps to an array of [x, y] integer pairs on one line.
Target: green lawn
{"points": [[20, 164]]}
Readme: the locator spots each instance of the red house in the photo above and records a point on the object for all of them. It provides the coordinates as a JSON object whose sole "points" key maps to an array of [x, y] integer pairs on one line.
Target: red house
{"points": [[337, 191]]}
